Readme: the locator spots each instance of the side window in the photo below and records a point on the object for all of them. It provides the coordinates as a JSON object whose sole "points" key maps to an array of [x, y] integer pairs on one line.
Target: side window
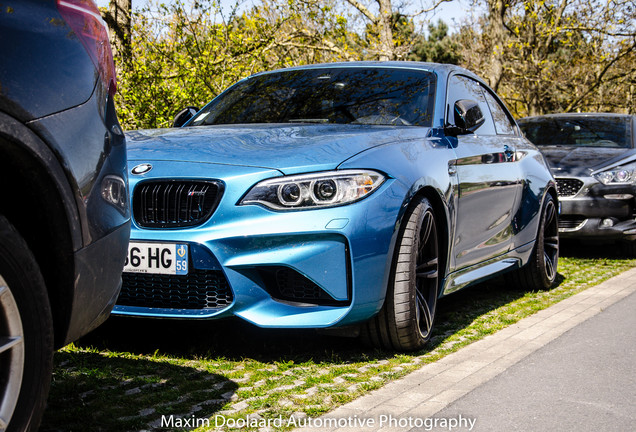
{"points": [[503, 124], [461, 87]]}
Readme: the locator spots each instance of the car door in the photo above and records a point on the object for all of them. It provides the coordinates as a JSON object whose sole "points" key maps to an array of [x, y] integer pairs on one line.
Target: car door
{"points": [[488, 179]]}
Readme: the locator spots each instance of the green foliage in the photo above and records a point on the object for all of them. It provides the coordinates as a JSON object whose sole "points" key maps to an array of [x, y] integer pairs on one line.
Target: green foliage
{"points": [[542, 55], [438, 47], [187, 53], [557, 55]]}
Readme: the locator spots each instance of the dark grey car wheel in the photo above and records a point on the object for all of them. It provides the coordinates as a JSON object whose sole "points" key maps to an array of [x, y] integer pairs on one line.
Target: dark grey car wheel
{"points": [[541, 271], [11, 353], [26, 334], [405, 322]]}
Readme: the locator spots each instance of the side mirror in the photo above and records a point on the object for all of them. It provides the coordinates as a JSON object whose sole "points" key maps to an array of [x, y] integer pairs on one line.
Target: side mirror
{"points": [[184, 115], [468, 115]]}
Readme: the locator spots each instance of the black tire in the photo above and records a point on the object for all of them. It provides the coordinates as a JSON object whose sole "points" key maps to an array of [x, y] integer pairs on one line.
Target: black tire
{"points": [[405, 322], [26, 334], [541, 271]]}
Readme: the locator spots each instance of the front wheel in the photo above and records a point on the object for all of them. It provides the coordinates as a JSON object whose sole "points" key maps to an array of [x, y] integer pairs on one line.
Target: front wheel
{"points": [[405, 322], [26, 334], [541, 270]]}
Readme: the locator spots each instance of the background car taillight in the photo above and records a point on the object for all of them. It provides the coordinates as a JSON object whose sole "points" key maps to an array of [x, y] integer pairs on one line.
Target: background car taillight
{"points": [[84, 18]]}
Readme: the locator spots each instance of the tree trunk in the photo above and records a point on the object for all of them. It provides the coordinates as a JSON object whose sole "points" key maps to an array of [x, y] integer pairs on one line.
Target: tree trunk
{"points": [[387, 51], [119, 23], [383, 23], [497, 11]]}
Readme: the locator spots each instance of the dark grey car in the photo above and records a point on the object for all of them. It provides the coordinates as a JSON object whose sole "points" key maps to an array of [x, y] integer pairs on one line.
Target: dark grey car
{"points": [[593, 159], [64, 215]]}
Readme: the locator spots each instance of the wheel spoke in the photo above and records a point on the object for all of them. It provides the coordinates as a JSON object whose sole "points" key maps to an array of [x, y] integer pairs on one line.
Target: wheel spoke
{"points": [[427, 270], [424, 311], [551, 242], [427, 228], [549, 217], [7, 343], [549, 265]]}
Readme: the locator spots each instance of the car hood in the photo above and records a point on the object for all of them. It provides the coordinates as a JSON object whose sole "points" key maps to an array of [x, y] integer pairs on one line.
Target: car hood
{"points": [[289, 149], [581, 161]]}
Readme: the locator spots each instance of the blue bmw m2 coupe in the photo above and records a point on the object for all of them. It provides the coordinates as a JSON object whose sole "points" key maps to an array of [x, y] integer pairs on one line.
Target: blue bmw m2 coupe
{"points": [[340, 195]]}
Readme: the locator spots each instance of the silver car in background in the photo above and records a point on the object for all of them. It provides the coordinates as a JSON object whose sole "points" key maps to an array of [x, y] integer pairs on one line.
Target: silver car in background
{"points": [[593, 159]]}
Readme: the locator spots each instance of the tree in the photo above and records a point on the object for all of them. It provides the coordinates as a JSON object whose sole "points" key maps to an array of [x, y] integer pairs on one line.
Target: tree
{"points": [[438, 47], [555, 55], [184, 54], [388, 27], [118, 17]]}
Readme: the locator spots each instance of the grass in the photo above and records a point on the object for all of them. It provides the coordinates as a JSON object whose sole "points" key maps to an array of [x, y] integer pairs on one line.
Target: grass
{"points": [[129, 373]]}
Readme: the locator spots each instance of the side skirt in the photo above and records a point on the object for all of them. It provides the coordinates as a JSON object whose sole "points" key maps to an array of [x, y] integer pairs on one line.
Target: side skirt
{"points": [[511, 260]]}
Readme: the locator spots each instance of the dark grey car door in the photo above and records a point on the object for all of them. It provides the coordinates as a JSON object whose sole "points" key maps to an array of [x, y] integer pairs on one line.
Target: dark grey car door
{"points": [[489, 180]]}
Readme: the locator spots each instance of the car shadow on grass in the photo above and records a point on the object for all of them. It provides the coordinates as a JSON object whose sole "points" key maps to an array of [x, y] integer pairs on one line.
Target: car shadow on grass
{"points": [[94, 391], [236, 340]]}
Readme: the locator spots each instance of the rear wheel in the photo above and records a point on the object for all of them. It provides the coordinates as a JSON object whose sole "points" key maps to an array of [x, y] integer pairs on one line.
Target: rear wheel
{"points": [[26, 334], [540, 272], [406, 319]]}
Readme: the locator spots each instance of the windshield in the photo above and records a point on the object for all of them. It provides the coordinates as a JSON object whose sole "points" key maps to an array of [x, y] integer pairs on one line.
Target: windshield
{"points": [[331, 95], [586, 131]]}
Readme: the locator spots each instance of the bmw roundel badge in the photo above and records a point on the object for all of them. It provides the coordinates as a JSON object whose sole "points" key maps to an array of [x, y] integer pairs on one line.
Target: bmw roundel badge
{"points": [[141, 169]]}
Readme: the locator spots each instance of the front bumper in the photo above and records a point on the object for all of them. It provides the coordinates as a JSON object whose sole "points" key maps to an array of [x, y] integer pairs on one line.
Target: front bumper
{"points": [[598, 211], [312, 268]]}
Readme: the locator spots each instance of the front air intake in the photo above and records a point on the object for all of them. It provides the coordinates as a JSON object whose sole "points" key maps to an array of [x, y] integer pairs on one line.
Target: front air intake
{"points": [[175, 204], [287, 285]]}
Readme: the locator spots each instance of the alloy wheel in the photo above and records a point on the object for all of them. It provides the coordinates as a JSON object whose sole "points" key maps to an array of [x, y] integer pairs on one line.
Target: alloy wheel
{"points": [[11, 353], [550, 241], [426, 274]]}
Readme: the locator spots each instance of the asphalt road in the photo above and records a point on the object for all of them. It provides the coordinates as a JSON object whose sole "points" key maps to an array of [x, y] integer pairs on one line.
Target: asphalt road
{"points": [[585, 380]]}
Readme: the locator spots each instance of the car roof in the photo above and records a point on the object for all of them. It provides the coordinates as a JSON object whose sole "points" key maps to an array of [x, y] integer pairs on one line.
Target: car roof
{"points": [[438, 68]]}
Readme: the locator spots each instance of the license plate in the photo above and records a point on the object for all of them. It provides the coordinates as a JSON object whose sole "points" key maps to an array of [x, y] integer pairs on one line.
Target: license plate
{"points": [[157, 258]]}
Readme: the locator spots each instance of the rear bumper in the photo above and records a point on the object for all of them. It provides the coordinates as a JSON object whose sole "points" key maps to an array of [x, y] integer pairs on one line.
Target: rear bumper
{"points": [[97, 282]]}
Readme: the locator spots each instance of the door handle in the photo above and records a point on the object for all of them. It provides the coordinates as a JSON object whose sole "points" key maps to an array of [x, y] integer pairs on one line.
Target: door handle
{"points": [[452, 169], [509, 154]]}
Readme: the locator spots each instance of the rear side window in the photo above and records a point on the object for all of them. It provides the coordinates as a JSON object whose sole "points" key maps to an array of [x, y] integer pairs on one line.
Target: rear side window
{"points": [[461, 87], [503, 124]]}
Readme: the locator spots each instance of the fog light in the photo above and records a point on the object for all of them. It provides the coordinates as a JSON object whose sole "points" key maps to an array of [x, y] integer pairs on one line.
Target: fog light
{"points": [[618, 196], [607, 223]]}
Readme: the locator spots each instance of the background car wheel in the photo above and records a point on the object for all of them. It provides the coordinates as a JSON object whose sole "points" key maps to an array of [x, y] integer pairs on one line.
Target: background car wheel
{"points": [[540, 272], [405, 321], [26, 334]]}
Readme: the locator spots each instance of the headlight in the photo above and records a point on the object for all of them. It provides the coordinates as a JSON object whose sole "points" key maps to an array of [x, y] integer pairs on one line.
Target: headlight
{"points": [[625, 174], [317, 190]]}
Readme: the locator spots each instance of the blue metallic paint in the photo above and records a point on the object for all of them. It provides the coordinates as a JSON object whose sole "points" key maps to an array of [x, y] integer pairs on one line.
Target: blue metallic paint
{"points": [[346, 250]]}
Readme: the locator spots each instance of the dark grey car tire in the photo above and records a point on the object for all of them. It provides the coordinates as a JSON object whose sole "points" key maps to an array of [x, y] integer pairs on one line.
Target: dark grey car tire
{"points": [[26, 334], [541, 271], [405, 322]]}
